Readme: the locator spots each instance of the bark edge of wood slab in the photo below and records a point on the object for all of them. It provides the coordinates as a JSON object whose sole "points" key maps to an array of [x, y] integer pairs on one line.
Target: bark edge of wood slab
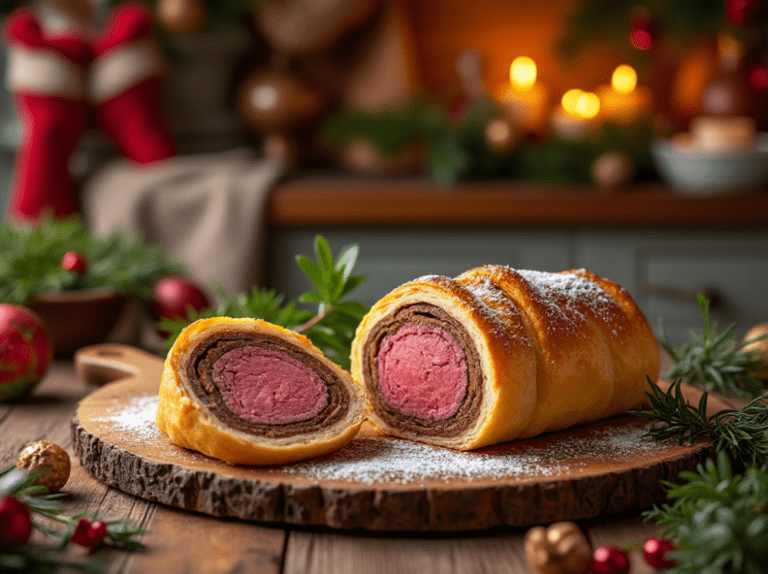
{"points": [[164, 473]]}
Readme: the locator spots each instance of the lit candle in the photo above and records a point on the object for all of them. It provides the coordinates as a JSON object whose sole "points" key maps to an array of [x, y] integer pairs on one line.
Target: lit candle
{"points": [[624, 102], [525, 98], [575, 117]]}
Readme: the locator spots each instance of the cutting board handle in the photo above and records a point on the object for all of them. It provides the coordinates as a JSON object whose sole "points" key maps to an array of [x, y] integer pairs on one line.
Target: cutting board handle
{"points": [[101, 364]]}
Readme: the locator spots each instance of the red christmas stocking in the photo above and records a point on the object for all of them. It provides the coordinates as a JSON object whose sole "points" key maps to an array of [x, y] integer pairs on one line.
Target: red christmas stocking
{"points": [[126, 86], [47, 76]]}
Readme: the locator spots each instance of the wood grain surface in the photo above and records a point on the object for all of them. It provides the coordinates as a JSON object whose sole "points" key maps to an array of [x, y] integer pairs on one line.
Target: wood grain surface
{"points": [[564, 483], [336, 200], [183, 542]]}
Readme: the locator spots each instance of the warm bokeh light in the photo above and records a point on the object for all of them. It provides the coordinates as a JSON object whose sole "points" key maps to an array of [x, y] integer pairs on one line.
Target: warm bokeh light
{"points": [[581, 104], [588, 105], [522, 73], [728, 48], [624, 79], [570, 101]]}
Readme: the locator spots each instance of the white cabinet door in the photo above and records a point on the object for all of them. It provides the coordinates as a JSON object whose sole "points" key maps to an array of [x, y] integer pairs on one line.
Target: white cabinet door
{"points": [[390, 257], [664, 271]]}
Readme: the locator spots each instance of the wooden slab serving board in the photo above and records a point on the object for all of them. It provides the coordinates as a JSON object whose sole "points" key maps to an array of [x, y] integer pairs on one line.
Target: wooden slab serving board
{"points": [[375, 482]]}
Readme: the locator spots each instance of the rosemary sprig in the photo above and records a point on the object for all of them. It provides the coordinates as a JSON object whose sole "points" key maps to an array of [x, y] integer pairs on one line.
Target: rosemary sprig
{"points": [[712, 360], [741, 434], [331, 328], [717, 519], [19, 483]]}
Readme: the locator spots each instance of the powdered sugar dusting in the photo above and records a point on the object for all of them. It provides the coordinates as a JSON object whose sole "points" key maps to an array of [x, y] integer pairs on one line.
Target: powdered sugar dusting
{"points": [[371, 460], [136, 419], [575, 292], [377, 459]]}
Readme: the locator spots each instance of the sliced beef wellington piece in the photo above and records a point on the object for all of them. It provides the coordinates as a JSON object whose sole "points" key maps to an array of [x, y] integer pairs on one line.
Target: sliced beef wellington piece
{"points": [[249, 392], [497, 354]]}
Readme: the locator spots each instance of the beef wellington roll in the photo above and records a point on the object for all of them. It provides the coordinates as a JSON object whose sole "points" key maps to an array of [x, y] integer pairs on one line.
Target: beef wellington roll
{"points": [[498, 354], [249, 392]]}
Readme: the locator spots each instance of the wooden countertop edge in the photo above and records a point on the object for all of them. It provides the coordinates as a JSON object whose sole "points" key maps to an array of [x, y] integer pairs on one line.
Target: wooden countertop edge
{"points": [[357, 201]]}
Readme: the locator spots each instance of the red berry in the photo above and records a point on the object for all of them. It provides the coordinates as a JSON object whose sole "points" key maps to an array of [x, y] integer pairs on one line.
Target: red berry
{"points": [[654, 551], [173, 295], [15, 522], [73, 261], [89, 535], [609, 560]]}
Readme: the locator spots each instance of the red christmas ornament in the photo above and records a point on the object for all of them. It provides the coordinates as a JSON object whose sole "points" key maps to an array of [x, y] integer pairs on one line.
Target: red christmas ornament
{"points": [[739, 12], [654, 551], [609, 560], [89, 534], [174, 295], [73, 261], [25, 350], [642, 33], [15, 522], [758, 78]]}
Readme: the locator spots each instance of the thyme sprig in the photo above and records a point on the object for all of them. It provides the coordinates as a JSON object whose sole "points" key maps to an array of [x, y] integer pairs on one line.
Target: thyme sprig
{"points": [[712, 360], [741, 434], [717, 519], [331, 328]]}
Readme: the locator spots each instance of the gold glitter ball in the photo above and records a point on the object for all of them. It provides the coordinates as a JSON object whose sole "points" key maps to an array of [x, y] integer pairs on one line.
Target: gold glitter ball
{"points": [[45, 454], [560, 549]]}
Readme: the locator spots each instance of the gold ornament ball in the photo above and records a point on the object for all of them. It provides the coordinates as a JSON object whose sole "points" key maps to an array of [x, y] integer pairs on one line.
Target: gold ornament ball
{"points": [[274, 101], [500, 135], [181, 16], [44, 454], [562, 548], [758, 348]]}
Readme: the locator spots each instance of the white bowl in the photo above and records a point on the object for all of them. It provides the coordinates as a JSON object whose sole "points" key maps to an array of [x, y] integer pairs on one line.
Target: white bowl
{"points": [[698, 171]]}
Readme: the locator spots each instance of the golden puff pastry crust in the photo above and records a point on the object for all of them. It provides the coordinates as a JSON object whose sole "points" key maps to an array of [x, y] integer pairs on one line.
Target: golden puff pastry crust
{"points": [[251, 393], [497, 354]]}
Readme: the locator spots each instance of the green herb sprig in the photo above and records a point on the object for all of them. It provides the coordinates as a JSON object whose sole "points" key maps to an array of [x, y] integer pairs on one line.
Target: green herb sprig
{"points": [[717, 519], [715, 361], [29, 558], [741, 434], [30, 260], [331, 329]]}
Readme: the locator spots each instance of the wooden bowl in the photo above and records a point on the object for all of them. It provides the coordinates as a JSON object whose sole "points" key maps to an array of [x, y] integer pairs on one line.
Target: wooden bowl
{"points": [[78, 318]]}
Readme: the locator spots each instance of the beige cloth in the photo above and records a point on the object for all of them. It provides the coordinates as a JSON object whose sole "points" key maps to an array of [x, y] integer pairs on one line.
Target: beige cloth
{"points": [[206, 210]]}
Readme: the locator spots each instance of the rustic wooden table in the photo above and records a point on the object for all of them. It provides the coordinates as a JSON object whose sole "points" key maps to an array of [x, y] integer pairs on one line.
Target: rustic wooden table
{"points": [[182, 541]]}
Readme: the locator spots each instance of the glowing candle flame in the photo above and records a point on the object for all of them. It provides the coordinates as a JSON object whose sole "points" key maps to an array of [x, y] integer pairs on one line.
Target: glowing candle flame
{"points": [[522, 73], [624, 79], [570, 101], [588, 105]]}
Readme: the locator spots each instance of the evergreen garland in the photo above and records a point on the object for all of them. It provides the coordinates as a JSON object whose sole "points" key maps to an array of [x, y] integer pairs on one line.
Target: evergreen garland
{"points": [[31, 256], [456, 149]]}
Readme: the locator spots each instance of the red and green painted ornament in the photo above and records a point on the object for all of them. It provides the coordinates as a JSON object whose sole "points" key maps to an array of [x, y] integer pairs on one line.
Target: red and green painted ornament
{"points": [[26, 351]]}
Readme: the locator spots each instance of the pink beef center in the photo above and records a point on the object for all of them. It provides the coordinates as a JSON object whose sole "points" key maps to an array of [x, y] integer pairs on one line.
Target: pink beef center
{"points": [[423, 371], [265, 386]]}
